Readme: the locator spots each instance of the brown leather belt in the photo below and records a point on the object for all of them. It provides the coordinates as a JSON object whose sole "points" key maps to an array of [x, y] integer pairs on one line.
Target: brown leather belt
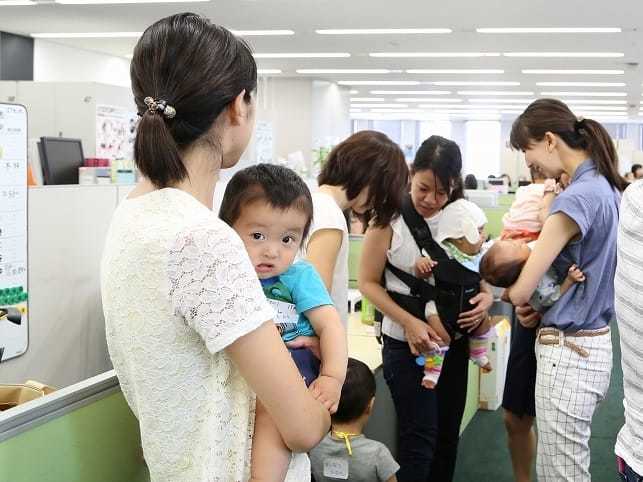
{"points": [[553, 336]]}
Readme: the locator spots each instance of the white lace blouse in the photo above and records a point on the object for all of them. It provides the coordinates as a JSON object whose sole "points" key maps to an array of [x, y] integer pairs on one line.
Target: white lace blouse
{"points": [[178, 288]]}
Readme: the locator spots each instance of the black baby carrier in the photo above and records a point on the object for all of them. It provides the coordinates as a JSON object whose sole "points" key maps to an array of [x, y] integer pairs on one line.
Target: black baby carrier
{"points": [[454, 286]]}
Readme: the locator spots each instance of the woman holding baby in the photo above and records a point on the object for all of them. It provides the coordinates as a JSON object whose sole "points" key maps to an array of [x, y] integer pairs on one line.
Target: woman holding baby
{"points": [[573, 344]]}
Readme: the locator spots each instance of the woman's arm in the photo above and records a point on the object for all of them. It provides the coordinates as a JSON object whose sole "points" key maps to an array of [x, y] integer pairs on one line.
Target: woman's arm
{"points": [[264, 362], [559, 229], [322, 250], [372, 263]]}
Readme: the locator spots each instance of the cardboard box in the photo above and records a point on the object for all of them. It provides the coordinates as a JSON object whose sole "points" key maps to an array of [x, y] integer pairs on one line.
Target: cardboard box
{"points": [[492, 384]]}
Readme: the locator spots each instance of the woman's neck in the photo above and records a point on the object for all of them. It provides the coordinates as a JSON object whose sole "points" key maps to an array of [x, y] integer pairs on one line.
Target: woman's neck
{"points": [[203, 173], [571, 159], [338, 193]]}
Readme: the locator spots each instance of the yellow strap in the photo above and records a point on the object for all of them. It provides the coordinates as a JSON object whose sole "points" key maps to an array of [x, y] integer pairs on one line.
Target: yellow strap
{"points": [[347, 439]]}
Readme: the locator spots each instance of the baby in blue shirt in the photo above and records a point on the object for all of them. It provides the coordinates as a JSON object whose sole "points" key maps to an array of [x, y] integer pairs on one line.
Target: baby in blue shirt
{"points": [[503, 262], [271, 209]]}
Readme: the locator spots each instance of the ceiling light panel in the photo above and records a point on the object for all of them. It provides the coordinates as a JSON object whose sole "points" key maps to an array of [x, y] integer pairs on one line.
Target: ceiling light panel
{"points": [[383, 31], [367, 99], [574, 71], [455, 71], [502, 101], [426, 99], [465, 83], [594, 101], [493, 92], [433, 54], [108, 2], [88, 35], [302, 55], [521, 30], [17, 3], [258, 33], [581, 84], [343, 71], [584, 94], [378, 82], [410, 92], [593, 55], [362, 106]]}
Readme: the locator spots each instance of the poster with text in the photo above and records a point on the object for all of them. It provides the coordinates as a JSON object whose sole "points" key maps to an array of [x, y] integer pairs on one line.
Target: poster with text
{"points": [[14, 331]]}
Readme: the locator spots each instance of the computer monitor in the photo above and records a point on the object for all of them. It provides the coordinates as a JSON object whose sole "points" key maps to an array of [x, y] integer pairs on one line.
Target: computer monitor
{"points": [[60, 159]]}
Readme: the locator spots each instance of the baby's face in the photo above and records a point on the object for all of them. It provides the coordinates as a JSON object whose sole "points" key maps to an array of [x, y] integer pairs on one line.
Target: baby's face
{"points": [[471, 248], [271, 236], [511, 249]]}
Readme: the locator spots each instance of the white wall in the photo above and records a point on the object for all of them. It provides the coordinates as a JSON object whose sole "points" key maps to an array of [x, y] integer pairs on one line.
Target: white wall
{"points": [[60, 63], [330, 113], [303, 113]]}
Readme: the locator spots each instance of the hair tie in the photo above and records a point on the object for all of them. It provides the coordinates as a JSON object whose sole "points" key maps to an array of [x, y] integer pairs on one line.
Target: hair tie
{"points": [[579, 124], [154, 106]]}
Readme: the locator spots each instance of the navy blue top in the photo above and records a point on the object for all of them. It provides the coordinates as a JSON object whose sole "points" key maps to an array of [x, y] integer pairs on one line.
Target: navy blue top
{"points": [[593, 204]]}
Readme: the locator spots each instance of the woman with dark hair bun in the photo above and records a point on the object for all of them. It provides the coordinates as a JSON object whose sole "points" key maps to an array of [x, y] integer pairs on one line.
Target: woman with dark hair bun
{"points": [[428, 420], [188, 327], [573, 343]]}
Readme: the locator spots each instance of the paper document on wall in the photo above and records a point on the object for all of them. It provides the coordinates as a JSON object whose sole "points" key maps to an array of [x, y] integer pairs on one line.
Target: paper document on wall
{"points": [[14, 333], [115, 132]]}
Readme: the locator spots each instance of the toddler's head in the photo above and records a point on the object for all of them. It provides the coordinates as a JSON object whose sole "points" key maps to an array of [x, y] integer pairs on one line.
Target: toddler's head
{"points": [[358, 393], [271, 209], [462, 224], [502, 263]]}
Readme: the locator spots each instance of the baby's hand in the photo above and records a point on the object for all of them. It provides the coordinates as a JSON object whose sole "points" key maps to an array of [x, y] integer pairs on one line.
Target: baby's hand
{"points": [[424, 266], [575, 274], [327, 390]]}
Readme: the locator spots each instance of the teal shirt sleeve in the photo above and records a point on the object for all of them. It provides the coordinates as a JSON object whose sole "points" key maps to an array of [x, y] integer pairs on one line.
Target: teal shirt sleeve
{"points": [[306, 287]]}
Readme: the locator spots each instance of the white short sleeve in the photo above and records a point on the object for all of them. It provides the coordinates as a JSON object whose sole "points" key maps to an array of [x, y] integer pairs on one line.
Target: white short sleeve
{"points": [[214, 287]]}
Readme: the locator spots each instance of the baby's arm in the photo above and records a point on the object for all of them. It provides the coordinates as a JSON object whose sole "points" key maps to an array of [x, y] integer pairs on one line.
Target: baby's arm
{"points": [[424, 266], [327, 387], [575, 275], [270, 456]]}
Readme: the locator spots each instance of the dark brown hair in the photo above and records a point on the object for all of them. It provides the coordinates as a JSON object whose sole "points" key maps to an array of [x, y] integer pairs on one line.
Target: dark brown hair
{"points": [[278, 186], [197, 68], [357, 392], [369, 159], [551, 115], [500, 274], [443, 157]]}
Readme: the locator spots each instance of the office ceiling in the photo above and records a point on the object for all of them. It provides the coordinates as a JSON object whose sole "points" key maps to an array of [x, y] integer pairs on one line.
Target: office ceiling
{"points": [[463, 17]]}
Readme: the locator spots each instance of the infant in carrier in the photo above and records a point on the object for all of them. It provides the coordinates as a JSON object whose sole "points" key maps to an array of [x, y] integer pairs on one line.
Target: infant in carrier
{"points": [[461, 235]]}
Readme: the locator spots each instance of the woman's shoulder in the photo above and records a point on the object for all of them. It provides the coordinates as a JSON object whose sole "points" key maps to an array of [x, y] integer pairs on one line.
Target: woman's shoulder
{"points": [[327, 214]]}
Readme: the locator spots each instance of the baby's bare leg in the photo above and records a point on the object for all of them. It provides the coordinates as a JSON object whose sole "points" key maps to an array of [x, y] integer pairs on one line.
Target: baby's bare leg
{"points": [[270, 456], [435, 323]]}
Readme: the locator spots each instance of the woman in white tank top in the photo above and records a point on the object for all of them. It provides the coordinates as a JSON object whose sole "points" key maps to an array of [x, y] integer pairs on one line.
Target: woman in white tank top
{"points": [[427, 449]]}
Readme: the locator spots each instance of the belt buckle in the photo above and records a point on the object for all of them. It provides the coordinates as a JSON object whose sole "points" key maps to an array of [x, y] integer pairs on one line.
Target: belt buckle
{"points": [[552, 337]]}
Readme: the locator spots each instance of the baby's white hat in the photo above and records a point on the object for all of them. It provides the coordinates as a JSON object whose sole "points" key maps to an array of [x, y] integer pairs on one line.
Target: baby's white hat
{"points": [[460, 219]]}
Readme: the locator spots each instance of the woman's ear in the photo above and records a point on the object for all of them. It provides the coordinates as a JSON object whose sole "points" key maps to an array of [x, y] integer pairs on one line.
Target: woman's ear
{"points": [[551, 140], [238, 109]]}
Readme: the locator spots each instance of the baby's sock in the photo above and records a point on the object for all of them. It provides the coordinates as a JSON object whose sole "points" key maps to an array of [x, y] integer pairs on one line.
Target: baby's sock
{"points": [[432, 366], [478, 351]]}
